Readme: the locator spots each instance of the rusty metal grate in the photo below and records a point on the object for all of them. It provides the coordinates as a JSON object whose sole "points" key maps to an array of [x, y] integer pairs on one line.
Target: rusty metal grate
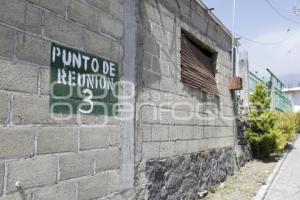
{"points": [[197, 69]]}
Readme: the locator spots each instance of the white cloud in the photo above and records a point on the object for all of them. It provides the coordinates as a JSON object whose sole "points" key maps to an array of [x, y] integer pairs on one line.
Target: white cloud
{"points": [[283, 59]]}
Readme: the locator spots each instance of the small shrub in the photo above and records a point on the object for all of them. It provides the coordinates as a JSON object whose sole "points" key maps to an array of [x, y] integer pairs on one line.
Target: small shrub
{"points": [[297, 119], [261, 125], [269, 131], [286, 125]]}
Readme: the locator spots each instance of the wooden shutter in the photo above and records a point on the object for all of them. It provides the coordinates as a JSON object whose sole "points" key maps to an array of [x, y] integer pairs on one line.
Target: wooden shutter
{"points": [[197, 67]]}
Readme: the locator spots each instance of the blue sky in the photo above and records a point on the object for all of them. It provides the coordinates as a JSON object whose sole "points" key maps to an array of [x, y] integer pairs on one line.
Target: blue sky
{"points": [[256, 20]]}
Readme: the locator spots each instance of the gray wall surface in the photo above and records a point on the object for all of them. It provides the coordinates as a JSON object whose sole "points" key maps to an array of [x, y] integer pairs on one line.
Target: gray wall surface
{"points": [[174, 119], [55, 159], [80, 159]]}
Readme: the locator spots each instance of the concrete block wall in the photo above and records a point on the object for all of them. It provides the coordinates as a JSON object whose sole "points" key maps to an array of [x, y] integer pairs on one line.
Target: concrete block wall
{"points": [[73, 159], [199, 117], [202, 122]]}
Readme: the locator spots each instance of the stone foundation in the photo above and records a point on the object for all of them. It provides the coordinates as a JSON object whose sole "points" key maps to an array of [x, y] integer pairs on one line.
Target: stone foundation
{"points": [[184, 177]]}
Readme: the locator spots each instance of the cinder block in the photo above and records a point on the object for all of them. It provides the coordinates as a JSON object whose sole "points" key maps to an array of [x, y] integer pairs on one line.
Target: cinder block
{"points": [[111, 26], [84, 14], [33, 49], [150, 79], [6, 41], [93, 138], [31, 109], [160, 133], [113, 179], [93, 187], [175, 132], [198, 132], [57, 6], [57, 139], [36, 172], [198, 22], [212, 143], [152, 13], [117, 8], [151, 46], [76, 165], [188, 132], [115, 136], [108, 159], [146, 131], [166, 149], [12, 79], [150, 150], [210, 131], [12, 12], [61, 30], [181, 147], [104, 5], [4, 110], [16, 196], [45, 81], [2, 173], [166, 116], [63, 191], [97, 44], [147, 61], [116, 51], [203, 144], [16, 142], [34, 17], [193, 146]]}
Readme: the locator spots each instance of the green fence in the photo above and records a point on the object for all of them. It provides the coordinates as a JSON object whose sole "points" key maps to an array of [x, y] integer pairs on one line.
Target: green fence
{"points": [[280, 101]]}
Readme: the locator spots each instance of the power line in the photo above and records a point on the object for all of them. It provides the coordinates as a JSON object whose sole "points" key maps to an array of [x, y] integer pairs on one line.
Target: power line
{"points": [[280, 14], [263, 43]]}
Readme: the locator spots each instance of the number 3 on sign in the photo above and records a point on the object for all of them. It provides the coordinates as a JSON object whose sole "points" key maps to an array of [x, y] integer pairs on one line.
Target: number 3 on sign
{"points": [[88, 99]]}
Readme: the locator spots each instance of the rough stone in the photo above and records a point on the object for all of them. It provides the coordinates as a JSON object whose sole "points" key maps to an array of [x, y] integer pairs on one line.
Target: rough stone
{"points": [[189, 174], [36, 172], [57, 139], [16, 142], [76, 165]]}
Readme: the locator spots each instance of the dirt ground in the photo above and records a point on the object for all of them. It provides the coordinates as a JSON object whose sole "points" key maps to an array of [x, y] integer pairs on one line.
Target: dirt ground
{"points": [[245, 183]]}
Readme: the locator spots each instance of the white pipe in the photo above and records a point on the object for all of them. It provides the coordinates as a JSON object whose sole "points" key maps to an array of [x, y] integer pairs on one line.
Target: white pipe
{"points": [[233, 34]]}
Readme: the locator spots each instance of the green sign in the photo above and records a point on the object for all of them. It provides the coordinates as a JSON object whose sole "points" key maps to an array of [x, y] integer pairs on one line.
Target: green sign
{"points": [[82, 83]]}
